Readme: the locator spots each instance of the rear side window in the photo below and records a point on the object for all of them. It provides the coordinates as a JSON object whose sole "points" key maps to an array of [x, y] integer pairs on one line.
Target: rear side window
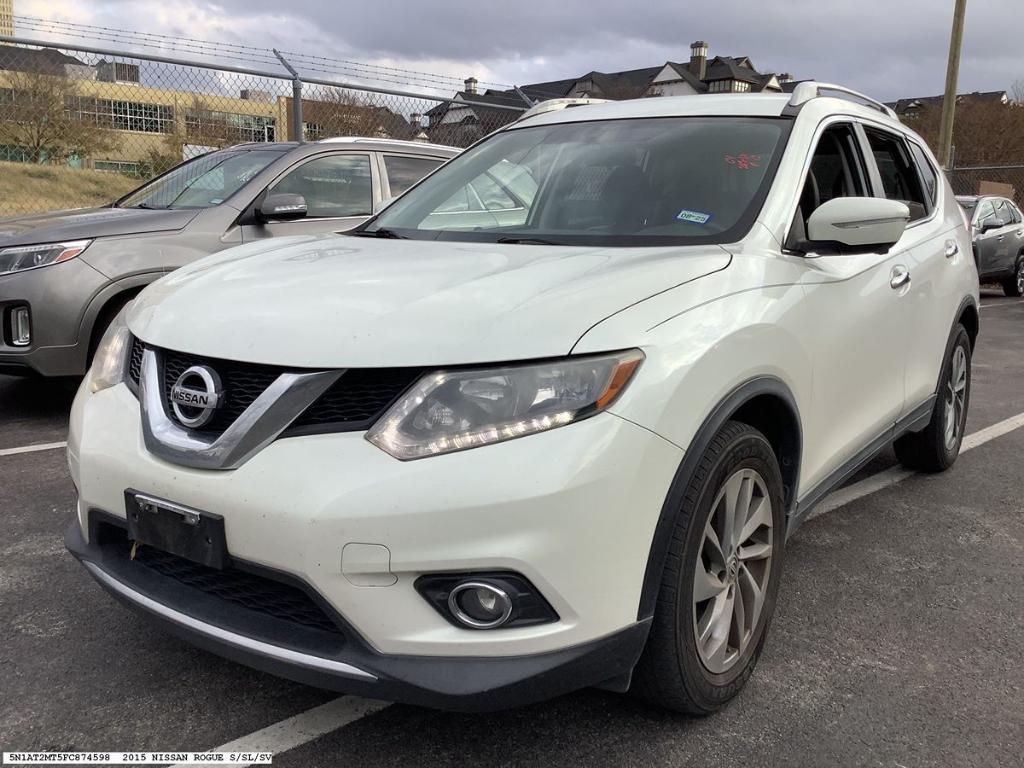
{"points": [[928, 175], [899, 176], [403, 172]]}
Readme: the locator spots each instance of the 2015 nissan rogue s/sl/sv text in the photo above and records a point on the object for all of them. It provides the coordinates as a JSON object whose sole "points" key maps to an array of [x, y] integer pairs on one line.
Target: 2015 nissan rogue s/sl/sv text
{"points": [[546, 421]]}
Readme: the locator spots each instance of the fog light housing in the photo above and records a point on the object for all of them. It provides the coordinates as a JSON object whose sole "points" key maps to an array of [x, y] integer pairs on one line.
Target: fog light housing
{"points": [[21, 327], [484, 601]]}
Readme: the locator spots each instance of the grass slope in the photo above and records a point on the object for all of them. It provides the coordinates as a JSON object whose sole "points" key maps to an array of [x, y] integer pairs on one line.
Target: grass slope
{"points": [[26, 188]]}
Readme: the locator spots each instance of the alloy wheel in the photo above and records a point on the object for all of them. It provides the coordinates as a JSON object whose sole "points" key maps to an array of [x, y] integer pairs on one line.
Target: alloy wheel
{"points": [[1020, 278], [731, 575], [956, 395]]}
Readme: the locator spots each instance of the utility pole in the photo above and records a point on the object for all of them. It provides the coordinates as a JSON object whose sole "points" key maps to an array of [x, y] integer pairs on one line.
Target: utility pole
{"points": [[952, 73]]}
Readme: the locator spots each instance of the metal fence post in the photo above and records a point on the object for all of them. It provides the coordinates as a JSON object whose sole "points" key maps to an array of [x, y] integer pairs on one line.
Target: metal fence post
{"points": [[297, 132]]}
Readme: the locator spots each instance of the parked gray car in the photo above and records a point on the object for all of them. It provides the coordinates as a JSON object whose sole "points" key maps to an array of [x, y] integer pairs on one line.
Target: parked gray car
{"points": [[997, 230], [65, 275]]}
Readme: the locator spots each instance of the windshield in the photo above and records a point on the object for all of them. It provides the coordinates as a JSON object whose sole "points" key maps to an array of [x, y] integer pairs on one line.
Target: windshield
{"points": [[201, 183], [652, 181], [968, 205]]}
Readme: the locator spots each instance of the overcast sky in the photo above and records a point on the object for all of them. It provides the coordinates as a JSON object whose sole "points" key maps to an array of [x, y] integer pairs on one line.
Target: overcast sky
{"points": [[887, 48]]}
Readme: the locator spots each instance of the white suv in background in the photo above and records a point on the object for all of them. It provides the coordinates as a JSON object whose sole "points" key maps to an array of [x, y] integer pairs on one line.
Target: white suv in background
{"points": [[545, 422]]}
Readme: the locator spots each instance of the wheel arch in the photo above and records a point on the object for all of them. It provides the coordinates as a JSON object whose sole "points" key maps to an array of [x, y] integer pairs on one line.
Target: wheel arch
{"points": [[765, 403], [106, 304], [969, 317]]}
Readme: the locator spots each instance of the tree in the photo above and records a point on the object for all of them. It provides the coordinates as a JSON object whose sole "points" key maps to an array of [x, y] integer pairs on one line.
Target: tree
{"points": [[1017, 91], [39, 116], [985, 132], [336, 112]]}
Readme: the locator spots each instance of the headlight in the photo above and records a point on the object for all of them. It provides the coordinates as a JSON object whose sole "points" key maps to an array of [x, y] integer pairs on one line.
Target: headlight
{"points": [[32, 256], [454, 410], [109, 365]]}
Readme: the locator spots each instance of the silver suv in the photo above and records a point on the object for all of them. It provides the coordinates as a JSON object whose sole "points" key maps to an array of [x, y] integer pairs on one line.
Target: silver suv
{"points": [[98, 259], [997, 233]]}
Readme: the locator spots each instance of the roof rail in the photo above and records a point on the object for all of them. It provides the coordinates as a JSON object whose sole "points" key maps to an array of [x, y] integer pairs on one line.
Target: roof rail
{"points": [[810, 89], [372, 140], [553, 105]]}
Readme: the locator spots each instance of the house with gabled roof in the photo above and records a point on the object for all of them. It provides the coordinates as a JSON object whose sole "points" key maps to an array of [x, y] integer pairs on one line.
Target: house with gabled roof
{"points": [[914, 107], [722, 74], [469, 115]]}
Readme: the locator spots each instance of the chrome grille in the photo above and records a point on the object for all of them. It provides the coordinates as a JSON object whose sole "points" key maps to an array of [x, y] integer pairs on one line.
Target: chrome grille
{"points": [[351, 404]]}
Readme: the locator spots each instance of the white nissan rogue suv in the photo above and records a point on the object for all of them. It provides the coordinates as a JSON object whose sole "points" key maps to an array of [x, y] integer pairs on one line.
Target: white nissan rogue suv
{"points": [[547, 420]]}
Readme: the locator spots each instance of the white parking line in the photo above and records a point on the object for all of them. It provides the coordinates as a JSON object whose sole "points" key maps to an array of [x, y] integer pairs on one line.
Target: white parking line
{"points": [[32, 448], [303, 727], [891, 476]]}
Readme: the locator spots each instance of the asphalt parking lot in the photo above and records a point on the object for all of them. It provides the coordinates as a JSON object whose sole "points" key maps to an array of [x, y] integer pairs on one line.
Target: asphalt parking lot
{"points": [[898, 639]]}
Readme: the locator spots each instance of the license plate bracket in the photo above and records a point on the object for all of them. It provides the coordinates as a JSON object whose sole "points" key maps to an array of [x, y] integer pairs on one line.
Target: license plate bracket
{"points": [[189, 533]]}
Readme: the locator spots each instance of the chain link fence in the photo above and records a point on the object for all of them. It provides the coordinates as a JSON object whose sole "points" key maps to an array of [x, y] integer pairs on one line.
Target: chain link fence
{"points": [[82, 126], [1002, 180]]}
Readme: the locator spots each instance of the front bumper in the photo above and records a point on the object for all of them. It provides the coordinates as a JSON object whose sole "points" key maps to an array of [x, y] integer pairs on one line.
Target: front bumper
{"points": [[58, 297], [573, 510], [454, 683]]}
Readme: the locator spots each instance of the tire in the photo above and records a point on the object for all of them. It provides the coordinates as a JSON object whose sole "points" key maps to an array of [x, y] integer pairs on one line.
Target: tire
{"points": [[678, 670], [935, 448], [1014, 285]]}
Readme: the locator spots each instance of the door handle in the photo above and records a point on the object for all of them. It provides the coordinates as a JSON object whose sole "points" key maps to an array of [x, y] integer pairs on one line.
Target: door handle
{"points": [[952, 249], [900, 277]]}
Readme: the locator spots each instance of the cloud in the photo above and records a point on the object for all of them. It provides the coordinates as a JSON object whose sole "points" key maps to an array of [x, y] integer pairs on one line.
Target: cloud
{"points": [[885, 48]]}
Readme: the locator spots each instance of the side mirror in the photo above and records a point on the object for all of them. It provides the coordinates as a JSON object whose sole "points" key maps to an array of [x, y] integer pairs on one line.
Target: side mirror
{"points": [[992, 222], [378, 207], [863, 223], [283, 207]]}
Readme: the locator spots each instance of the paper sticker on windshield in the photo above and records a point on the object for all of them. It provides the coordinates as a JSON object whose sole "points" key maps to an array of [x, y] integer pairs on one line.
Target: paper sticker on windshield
{"points": [[693, 217]]}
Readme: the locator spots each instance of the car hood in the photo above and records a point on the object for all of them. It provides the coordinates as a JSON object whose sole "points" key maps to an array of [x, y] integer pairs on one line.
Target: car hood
{"points": [[341, 301], [83, 223]]}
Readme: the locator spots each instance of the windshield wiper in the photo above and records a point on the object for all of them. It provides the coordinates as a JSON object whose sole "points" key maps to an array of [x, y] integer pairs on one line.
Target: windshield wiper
{"points": [[526, 241], [148, 207], [382, 232]]}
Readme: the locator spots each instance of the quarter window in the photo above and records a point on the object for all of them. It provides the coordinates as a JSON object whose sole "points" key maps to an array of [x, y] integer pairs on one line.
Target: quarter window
{"points": [[403, 172], [899, 177], [333, 186]]}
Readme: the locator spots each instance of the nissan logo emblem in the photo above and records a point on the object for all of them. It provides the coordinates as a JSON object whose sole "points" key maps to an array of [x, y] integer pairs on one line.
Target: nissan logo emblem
{"points": [[196, 395]]}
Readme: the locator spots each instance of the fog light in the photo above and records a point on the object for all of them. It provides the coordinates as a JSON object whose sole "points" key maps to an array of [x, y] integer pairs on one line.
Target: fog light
{"points": [[480, 605], [485, 599], [21, 329]]}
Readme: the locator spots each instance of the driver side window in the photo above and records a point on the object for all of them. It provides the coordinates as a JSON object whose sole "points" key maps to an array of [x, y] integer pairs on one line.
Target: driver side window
{"points": [[1003, 212], [837, 170], [985, 212], [333, 186]]}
